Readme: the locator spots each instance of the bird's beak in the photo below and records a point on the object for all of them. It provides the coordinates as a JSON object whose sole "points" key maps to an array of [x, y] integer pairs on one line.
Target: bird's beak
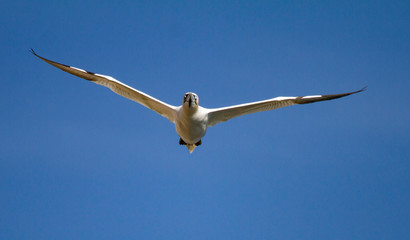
{"points": [[190, 101]]}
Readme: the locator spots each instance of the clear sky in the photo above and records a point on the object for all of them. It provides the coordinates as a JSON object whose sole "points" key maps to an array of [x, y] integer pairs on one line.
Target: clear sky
{"points": [[80, 162]]}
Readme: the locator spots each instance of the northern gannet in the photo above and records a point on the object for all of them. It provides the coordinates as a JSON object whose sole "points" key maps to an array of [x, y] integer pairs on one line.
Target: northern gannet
{"points": [[191, 120]]}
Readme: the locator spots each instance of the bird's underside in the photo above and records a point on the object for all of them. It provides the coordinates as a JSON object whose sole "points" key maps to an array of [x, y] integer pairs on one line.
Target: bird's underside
{"points": [[191, 120], [190, 147]]}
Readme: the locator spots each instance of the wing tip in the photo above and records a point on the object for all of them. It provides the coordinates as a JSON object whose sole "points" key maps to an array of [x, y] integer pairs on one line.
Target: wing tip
{"points": [[33, 52], [362, 89]]}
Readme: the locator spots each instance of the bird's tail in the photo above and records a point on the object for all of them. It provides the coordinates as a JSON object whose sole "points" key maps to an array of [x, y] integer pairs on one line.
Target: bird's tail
{"points": [[191, 147]]}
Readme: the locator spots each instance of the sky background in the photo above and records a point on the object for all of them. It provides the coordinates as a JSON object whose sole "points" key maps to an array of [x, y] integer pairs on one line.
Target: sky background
{"points": [[80, 162]]}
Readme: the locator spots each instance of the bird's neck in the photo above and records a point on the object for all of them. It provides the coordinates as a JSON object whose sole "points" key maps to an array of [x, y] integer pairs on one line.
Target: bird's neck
{"points": [[189, 110]]}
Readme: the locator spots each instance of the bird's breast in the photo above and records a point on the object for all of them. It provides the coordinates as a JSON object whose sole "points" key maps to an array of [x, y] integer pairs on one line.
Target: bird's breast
{"points": [[191, 127]]}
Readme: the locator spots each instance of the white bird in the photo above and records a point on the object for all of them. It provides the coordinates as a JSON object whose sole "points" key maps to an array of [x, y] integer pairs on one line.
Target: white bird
{"points": [[191, 120]]}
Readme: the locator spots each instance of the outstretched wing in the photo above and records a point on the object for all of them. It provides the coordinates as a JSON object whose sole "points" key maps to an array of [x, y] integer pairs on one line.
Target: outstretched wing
{"points": [[120, 88], [218, 115]]}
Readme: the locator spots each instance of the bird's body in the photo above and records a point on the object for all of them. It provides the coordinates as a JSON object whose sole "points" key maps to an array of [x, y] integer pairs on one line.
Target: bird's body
{"points": [[190, 124], [191, 120]]}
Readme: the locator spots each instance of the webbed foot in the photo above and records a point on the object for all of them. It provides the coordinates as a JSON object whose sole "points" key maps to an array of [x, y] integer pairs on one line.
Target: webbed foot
{"points": [[181, 142]]}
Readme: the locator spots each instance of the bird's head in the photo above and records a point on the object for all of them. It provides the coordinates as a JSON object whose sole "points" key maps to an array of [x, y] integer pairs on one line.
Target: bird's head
{"points": [[190, 100]]}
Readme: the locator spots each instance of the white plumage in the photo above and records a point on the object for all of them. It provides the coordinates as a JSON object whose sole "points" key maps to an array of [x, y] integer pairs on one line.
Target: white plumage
{"points": [[191, 120]]}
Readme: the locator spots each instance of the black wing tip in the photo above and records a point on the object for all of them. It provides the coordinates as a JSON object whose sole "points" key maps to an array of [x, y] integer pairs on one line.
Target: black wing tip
{"points": [[350, 93], [361, 90], [32, 51]]}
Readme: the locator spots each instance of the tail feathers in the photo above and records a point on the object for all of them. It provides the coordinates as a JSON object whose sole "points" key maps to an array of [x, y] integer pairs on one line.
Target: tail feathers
{"points": [[191, 147]]}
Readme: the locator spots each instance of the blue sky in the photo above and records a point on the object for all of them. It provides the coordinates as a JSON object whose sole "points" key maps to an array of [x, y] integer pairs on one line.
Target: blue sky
{"points": [[80, 162]]}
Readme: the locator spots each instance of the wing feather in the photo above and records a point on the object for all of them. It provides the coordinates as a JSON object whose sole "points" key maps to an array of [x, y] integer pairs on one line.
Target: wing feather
{"points": [[218, 115], [120, 88]]}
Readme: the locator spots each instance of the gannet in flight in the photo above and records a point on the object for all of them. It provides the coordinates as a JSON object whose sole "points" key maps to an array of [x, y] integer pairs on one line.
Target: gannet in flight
{"points": [[191, 120]]}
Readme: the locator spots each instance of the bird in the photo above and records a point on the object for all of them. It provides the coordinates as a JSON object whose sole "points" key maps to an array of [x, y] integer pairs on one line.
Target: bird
{"points": [[191, 120]]}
